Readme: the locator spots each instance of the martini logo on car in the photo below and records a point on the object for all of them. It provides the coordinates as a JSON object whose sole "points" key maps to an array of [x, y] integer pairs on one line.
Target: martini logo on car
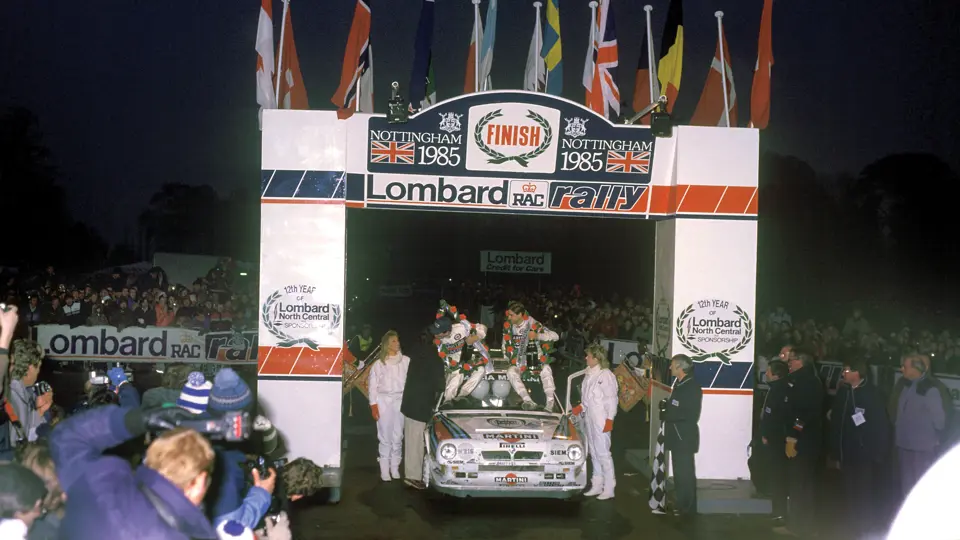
{"points": [[714, 328], [612, 198], [295, 316], [511, 479], [511, 436], [513, 137]]}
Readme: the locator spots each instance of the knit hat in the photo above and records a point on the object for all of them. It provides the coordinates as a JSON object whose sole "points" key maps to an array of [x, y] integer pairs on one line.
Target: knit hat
{"points": [[195, 393], [232, 530], [229, 392]]}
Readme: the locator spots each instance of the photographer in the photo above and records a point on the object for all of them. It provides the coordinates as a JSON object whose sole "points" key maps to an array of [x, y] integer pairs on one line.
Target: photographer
{"points": [[29, 399], [107, 500]]}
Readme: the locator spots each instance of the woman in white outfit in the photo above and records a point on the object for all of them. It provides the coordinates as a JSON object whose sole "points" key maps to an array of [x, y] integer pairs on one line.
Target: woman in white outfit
{"points": [[599, 406], [388, 374]]}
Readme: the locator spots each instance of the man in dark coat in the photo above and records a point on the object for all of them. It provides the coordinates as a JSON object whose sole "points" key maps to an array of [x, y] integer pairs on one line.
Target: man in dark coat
{"points": [[681, 414], [425, 381], [804, 437], [106, 500], [770, 454], [859, 440]]}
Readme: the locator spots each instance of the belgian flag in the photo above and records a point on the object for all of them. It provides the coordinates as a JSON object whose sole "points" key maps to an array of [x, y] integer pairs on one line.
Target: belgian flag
{"points": [[671, 54]]}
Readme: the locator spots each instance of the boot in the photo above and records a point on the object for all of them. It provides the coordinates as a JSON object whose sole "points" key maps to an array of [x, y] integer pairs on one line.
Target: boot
{"points": [[384, 469], [395, 468], [596, 487], [608, 487], [609, 479]]}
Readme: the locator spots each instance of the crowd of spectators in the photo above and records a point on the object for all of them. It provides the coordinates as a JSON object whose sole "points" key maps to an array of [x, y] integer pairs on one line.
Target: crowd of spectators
{"points": [[574, 312], [217, 301]]}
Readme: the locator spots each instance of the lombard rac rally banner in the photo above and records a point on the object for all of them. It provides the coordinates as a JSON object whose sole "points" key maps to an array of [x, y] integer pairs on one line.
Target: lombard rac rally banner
{"points": [[106, 343], [509, 152], [515, 262]]}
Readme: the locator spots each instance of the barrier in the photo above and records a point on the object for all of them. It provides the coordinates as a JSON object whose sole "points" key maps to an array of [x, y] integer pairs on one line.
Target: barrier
{"points": [[150, 344]]}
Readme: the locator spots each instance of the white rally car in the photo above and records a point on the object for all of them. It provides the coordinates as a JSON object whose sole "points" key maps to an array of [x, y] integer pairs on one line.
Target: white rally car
{"points": [[486, 445]]}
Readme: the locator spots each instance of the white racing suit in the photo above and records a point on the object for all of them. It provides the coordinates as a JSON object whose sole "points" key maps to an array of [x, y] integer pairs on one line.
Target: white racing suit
{"points": [[521, 339], [456, 342], [387, 379], [599, 401]]}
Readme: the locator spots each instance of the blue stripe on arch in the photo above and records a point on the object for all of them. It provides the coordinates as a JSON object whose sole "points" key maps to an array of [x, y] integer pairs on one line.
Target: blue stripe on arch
{"points": [[455, 430], [285, 184], [714, 374]]}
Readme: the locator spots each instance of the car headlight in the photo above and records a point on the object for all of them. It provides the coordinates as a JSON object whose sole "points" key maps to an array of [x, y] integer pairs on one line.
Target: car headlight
{"points": [[448, 451], [575, 452]]}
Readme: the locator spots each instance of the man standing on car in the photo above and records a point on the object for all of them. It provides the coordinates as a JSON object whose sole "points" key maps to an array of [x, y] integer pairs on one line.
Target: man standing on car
{"points": [[681, 414], [452, 339], [519, 331]]}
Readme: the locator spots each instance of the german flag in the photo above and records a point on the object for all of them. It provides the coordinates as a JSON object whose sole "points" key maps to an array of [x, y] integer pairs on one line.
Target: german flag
{"points": [[671, 54]]}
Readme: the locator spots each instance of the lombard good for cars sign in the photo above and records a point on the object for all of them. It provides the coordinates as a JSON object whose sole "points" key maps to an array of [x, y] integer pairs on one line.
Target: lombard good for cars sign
{"points": [[714, 328], [511, 152], [515, 262]]}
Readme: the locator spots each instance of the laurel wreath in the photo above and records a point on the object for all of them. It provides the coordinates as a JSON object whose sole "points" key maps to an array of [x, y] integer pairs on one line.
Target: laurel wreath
{"points": [[286, 340], [512, 353], [443, 350], [496, 157], [724, 355]]}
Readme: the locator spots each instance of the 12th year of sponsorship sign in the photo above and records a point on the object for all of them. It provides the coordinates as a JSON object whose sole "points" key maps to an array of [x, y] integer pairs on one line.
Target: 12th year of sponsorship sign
{"points": [[509, 151]]}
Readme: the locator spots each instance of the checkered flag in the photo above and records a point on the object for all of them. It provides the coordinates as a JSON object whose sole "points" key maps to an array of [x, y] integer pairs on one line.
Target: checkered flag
{"points": [[658, 477]]}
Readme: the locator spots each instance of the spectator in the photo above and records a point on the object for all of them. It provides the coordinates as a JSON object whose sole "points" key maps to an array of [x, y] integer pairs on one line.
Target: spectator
{"points": [[106, 500], [21, 500], [36, 457], [29, 408], [175, 377], [859, 439], [920, 421], [856, 325]]}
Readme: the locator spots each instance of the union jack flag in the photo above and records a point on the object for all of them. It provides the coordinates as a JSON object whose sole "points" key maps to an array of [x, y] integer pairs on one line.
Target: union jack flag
{"points": [[599, 70], [392, 152], [628, 162]]}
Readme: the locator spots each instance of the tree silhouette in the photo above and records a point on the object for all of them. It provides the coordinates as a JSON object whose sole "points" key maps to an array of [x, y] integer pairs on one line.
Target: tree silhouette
{"points": [[45, 233]]}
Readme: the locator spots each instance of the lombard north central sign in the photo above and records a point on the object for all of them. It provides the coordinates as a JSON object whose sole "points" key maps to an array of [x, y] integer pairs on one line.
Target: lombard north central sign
{"points": [[512, 152], [515, 262]]}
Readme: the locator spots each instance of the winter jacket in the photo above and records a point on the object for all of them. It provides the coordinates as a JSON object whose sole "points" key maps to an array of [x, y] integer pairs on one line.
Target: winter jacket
{"points": [[682, 417], [106, 500], [424, 383], [772, 417], [868, 442], [804, 412], [921, 417], [387, 378], [599, 396]]}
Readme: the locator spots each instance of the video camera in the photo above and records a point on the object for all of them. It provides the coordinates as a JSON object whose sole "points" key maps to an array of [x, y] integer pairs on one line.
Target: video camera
{"points": [[232, 426], [278, 500]]}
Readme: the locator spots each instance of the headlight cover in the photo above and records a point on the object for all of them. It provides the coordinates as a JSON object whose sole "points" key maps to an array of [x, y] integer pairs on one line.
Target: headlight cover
{"points": [[575, 452], [448, 451]]}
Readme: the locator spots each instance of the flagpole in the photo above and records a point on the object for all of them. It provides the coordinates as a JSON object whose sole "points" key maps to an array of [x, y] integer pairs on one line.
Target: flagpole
{"points": [[356, 95], [650, 55], [536, 67], [283, 30], [476, 46], [593, 35], [723, 67]]}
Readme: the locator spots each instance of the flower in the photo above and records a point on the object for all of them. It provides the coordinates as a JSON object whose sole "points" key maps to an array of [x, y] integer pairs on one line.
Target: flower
{"points": [[523, 369], [463, 317], [509, 349], [442, 354], [466, 367], [506, 326], [439, 315], [436, 342], [453, 309], [514, 361]]}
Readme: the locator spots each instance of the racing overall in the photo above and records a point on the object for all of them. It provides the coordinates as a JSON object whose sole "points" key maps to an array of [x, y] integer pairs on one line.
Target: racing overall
{"points": [[387, 378], [452, 346], [600, 399], [520, 342]]}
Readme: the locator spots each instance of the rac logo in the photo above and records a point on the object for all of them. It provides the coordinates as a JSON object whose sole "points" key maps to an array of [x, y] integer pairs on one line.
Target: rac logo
{"points": [[528, 194]]}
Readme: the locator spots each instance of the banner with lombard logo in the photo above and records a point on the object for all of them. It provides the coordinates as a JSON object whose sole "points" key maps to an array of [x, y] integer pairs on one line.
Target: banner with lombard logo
{"points": [[515, 262], [152, 344]]}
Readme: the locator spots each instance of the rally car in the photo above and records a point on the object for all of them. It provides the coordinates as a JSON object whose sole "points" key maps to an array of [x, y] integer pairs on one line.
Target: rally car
{"points": [[486, 445]]}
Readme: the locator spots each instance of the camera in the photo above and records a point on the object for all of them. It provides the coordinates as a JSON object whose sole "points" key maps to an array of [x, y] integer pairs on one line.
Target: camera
{"points": [[278, 500], [99, 378], [41, 388]]}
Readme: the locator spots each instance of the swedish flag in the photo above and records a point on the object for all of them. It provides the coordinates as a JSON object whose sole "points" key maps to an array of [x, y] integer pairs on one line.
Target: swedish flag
{"points": [[551, 51]]}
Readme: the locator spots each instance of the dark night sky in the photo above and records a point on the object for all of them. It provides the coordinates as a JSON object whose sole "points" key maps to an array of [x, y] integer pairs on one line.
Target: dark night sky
{"points": [[134, 94]]}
